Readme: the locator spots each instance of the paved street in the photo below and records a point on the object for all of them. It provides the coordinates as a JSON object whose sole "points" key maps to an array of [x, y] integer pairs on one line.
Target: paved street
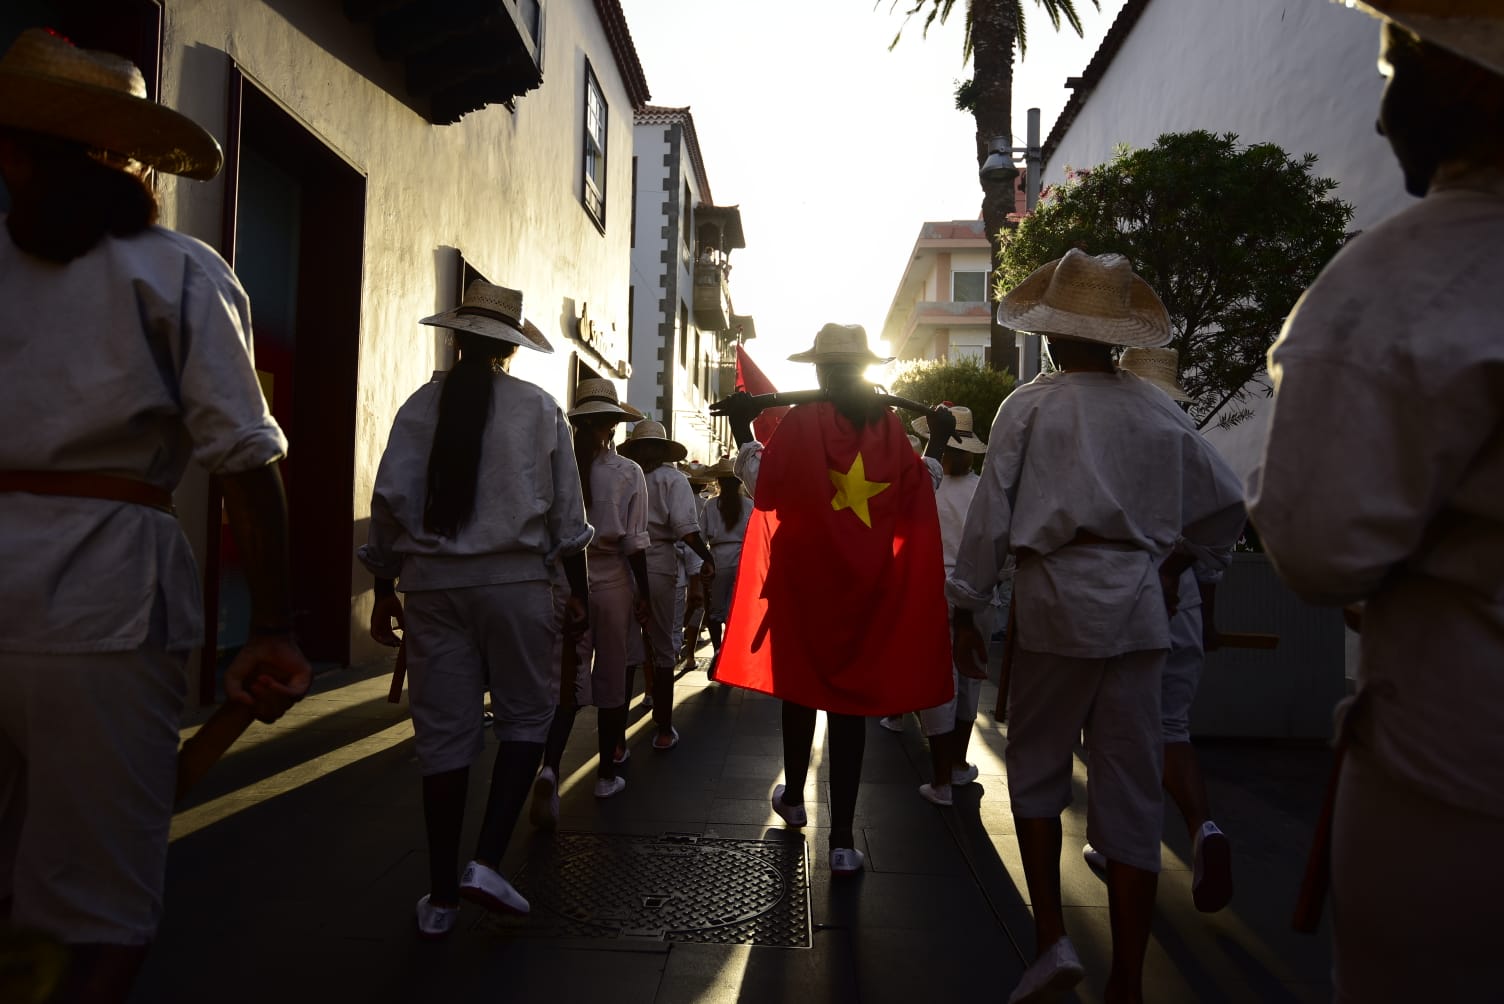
{"points": [[294, 871]]}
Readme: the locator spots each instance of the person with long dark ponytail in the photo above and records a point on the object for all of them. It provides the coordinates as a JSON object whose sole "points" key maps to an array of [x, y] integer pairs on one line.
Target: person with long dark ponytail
{"points": [[127, 353], [725, 522], [477, 500], [615, 501]]}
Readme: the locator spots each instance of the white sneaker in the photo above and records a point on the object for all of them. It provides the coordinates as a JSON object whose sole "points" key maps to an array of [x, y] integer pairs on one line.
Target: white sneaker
{"points": [[621, 756], [964, 775], [794, 815], [1051, 975], [485, 886], [605, 787], [893, 723], [435, 921], [939, 796], [1211, 869], [545, 810], [846, 860], [1094, 857]]}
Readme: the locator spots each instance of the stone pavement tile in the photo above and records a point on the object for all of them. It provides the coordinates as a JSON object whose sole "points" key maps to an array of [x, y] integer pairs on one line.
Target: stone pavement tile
{"points": [[918, 850], [1079, 885], [884, 899], [944, 964], [754, 788], [766, 768], [724, 974], [485, 967]]}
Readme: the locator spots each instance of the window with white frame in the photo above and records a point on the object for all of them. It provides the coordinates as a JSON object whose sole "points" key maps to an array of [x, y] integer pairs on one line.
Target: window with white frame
{"points": [[968, 286], [594, 182]]}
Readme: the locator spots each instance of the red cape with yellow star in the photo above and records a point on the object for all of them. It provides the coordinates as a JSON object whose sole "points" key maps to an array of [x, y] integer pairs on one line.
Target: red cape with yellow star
{"points": [[840, 597]]}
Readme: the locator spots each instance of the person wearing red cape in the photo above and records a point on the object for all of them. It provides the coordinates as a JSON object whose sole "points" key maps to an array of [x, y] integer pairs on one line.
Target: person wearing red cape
{"points": [[839, 600]]}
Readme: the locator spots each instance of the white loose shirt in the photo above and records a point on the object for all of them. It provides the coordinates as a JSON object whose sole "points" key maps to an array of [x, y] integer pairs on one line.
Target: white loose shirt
{"points": [[129, 360], [1105, 454], [618, 512], [528, 505], [1383, 479], [672, 516], [726, 541]]}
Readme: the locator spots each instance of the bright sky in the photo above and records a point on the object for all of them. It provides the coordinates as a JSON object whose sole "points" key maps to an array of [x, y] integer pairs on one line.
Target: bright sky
{"points": [[835, 148]]}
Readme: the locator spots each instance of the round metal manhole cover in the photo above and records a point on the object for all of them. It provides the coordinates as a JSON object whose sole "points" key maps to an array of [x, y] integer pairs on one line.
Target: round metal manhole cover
{"points": [[673, 888]]}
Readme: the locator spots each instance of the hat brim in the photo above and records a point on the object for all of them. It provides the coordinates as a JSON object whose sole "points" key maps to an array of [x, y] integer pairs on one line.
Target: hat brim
{"points": [[811, 356], [526, 334], [1478, 39], [1173, 391], [1141, 328], [673, 451], [959, 440], [105, 119], [624, 412]]}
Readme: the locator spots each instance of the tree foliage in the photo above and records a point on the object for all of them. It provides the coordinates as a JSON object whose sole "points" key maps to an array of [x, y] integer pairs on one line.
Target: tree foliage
{"points": [[1228, 235], [965, 382]]}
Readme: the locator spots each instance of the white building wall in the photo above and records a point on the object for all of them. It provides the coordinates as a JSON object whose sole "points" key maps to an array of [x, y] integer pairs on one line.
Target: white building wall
{"points": [[1301, 75], [648, 266], [501, 187]]}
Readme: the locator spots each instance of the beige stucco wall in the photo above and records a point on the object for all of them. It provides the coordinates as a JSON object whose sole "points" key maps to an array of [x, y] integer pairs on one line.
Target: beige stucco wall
{"points": [[502, 188]]}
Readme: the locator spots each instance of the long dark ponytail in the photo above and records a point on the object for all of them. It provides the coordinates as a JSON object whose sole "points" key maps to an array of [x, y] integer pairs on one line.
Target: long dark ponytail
{"points": [[587, 446], [75, 198], [729, 502], [464, 413]]}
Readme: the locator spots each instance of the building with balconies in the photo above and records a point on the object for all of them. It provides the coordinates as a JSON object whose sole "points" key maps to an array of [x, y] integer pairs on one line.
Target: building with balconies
{"points": [[939, 310], [683, 324]]}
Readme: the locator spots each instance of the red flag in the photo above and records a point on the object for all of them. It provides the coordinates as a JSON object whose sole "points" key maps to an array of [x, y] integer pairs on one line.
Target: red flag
{"points": [[751, 379], [840, 597]]}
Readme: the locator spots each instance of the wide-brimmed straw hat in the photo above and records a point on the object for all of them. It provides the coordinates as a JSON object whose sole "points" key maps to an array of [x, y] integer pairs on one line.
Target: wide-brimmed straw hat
{"points": [[598, 397], [50, 86], [965, 436], [1093, 298], [493, 312], [647, 436], [839, 343], [1472, 29], [723, 468], [699, 474], [1161, 367]]}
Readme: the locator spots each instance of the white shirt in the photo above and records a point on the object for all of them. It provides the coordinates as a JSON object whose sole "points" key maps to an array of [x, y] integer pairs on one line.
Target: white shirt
{"points": [[953, 499], [672, 516], [1105, 454], [129, 360], [528, 505], [1383, 479], [726, 541]]}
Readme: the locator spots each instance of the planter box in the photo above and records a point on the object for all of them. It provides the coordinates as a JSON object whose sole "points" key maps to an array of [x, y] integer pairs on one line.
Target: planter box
{"points": [[1284, 693]]}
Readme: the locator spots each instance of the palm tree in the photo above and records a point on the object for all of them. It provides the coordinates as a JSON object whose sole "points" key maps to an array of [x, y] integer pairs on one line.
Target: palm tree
{"points": [[993, 27]]}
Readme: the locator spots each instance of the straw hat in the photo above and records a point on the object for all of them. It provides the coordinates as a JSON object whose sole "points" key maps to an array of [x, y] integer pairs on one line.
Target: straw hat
{"points": [[839, 343], [598, 397], [699, 474], [494, 312], [723, 468], [1472, 29], [1161, 367], [50, 86], [1094, 298], [964, 438], [647, 436]]}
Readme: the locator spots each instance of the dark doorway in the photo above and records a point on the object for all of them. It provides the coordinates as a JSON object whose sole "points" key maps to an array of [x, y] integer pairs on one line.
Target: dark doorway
{"points": [[296, 234]]}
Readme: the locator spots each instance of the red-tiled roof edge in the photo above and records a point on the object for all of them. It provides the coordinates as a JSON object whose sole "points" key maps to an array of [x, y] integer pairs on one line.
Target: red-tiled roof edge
{"points": [[614, 20], [661, 114], [1122, 26]]}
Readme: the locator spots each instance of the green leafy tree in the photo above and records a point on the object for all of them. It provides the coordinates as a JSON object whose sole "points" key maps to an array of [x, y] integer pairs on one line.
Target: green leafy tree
{"points": [[1228, 235], [965, 382], [993, 28]]}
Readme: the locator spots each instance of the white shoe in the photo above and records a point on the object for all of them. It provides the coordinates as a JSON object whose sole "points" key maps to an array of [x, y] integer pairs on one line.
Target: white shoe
{"points": [[939, 796], [1211, 869], [964, 775], [846, 860], [605, 787], [1094, 857], [893, 723], [622, 755], [435, 921], [545, 810], [484, 885], [1051, 975], [794, 815], [647, 701]]}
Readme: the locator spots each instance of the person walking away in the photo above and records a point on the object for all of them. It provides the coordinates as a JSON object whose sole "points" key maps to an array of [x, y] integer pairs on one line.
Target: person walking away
{"points": [[615, 498], [828, 614], [1104, 492], [477, 495], [1193, 633], [1381, 484], [725, 521], [672, 518], [948, 727], [127, 352]]}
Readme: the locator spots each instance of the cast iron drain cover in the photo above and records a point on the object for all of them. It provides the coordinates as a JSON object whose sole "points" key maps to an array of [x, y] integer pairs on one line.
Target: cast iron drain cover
{"points": [[675, 887]]}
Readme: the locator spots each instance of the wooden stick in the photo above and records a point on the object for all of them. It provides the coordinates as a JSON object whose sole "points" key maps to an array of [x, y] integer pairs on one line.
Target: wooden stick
{"points": [[399, 674], [209, 743]]}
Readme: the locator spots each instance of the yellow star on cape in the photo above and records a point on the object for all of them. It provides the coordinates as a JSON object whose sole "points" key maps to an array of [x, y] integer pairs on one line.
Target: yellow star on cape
{"points": [[853, 490]]}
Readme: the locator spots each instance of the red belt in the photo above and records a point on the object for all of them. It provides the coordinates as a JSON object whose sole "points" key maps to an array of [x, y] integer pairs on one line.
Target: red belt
{"points": [[86, 485]]}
